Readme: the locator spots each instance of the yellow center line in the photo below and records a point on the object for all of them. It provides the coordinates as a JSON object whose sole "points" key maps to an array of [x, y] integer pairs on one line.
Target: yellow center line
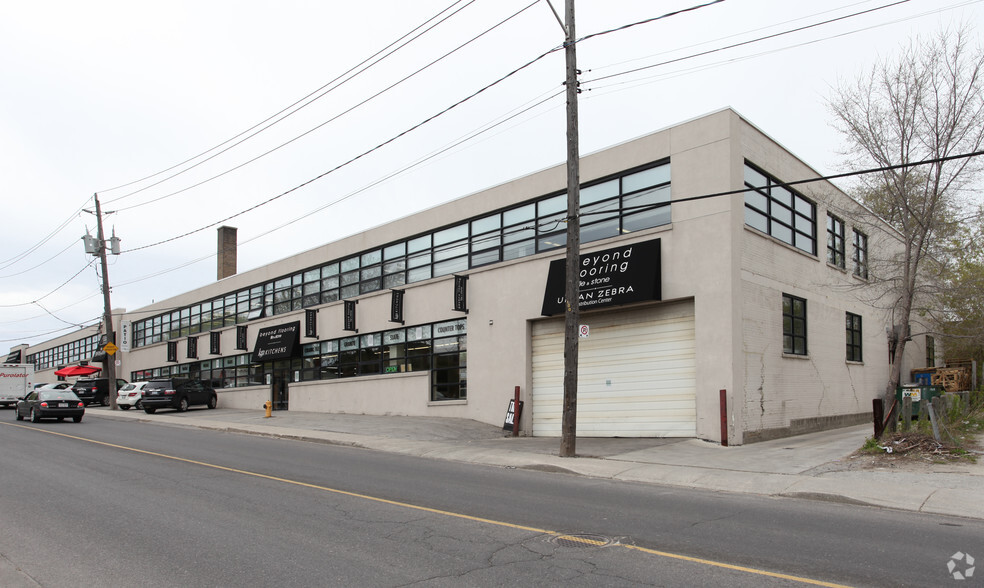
{"points": [[447, 513]]}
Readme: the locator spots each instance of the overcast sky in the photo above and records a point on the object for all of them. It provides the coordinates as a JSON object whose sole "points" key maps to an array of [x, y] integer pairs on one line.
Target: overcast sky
{"points": [[118, 97]]}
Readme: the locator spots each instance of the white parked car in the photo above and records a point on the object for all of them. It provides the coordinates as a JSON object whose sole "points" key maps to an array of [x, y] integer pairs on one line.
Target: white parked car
{"points": [[53, 386], [130, 395]]}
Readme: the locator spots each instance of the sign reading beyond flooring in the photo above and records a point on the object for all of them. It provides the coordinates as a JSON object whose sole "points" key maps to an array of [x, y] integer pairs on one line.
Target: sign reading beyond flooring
{"points": [[277, 342], [612, 277]]}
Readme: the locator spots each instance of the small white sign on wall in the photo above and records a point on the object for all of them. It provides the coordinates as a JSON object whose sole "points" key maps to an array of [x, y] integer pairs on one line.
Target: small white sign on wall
{"points": [[582, 331]]}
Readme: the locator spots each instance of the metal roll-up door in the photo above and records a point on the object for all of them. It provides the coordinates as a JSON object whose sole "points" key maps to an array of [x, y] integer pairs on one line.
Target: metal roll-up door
{"points": [[636, 375]]}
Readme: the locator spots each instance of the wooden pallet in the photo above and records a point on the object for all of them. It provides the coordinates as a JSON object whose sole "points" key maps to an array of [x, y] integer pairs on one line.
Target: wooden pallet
{"points": [[955, 379]]}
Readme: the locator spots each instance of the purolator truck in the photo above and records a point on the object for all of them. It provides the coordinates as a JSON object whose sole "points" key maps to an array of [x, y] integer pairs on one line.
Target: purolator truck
{"points": [[16, 380]]}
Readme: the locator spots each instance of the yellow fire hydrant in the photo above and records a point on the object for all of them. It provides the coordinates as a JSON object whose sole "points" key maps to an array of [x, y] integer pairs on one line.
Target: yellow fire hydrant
{"points": [[268, 405]]}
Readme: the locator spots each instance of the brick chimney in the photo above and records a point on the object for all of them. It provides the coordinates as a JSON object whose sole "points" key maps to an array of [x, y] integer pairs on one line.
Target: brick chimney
{"points": [[227, 252]]}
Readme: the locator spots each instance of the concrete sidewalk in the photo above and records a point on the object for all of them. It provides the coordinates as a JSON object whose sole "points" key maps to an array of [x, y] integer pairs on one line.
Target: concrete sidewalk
{"points": [[817, 465]]}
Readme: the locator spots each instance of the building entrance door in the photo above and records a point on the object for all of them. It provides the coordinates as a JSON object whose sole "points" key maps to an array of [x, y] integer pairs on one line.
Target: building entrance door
{"points": [[279, 393]]}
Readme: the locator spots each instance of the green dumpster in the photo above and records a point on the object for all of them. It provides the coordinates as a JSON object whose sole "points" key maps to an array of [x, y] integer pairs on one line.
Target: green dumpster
{"points": [[918, 393]]}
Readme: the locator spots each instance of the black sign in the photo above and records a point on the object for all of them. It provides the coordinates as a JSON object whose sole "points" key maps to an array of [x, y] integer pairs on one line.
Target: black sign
{"points": [[396, 307], [192, 348], [214, 343], [241, 342], [311, 323], [172, 351], [279, 342], [621, 275], [350, 315], [512, 418], [14, 357], [461, 293]]}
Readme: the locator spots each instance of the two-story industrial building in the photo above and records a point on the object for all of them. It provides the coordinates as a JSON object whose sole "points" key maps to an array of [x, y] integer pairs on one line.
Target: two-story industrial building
{"points": [[701, 271]]}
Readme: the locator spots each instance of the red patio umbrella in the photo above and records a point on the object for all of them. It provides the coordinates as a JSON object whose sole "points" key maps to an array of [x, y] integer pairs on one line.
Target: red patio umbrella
{"points": [[77, 370]]}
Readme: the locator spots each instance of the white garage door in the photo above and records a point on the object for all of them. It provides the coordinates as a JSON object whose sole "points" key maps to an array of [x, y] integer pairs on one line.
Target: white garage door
{"points": [[636, 374]]}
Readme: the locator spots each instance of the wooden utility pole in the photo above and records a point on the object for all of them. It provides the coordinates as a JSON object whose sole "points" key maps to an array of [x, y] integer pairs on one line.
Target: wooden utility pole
{"points": [[110, 361], [568, 439]]}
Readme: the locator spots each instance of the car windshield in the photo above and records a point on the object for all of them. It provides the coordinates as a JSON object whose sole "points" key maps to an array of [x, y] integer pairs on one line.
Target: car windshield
{"points": [[128, 387], [57, 395], [164, 385]]}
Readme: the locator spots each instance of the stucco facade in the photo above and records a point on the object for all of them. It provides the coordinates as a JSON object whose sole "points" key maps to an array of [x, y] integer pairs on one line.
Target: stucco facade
{"points": [[720, 301]]}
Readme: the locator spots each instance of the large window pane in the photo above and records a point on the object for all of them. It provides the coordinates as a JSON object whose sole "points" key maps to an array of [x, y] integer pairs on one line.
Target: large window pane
{"points": [[518, 215], [483, 225], [451, 234], [646, 178], [598, 192]]}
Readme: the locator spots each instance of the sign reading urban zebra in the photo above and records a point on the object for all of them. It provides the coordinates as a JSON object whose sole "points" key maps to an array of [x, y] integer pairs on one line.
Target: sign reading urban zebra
{"points": [[611, 277], [277, 342]]}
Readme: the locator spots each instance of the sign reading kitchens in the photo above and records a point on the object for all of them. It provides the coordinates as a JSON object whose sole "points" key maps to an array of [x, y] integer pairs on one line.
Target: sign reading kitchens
{"points": [[621, 275], [277, 342]]}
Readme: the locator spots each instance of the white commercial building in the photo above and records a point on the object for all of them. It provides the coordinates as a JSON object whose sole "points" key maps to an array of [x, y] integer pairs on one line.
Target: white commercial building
{"points": [[763, 294]]}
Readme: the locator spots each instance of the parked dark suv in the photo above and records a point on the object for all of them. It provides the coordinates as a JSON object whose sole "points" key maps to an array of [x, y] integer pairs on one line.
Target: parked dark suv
{"points": [[96, 390], [177, 393]]}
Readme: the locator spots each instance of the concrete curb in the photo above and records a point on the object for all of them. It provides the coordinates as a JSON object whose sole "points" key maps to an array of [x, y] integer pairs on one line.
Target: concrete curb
{"points": [[723, 469]]}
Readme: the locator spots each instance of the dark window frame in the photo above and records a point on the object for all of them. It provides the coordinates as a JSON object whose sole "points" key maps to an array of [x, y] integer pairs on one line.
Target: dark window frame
{"points": [[794, 325], [836, 250], [853, 326], [793, 223], [423, 256], [860, 254]]}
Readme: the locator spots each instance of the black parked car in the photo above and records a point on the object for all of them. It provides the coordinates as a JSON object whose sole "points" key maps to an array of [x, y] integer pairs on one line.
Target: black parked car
{"points": [[95, 390], [50, 404], [177, 393]]}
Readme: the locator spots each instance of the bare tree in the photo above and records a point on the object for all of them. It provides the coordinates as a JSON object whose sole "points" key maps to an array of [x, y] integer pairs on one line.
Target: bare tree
{"points": [[926, 103]]}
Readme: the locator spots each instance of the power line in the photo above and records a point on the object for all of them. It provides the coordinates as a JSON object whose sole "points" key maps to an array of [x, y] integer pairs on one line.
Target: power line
{"points": [[330, 120], [537, 226], [424, 122], [49, 293], [297, 102], [357, 157], [749, 42]]}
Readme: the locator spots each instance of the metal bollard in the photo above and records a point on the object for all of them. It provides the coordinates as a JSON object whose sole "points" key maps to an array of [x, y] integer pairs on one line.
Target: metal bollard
{"points": [[268, 405]]}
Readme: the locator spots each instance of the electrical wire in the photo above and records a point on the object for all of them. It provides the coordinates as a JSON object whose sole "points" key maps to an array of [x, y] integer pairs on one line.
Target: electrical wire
{"points": [[53, 291], [353, 159], [20, 256], [332, 119], [422, 123], [670, 75], [749, 42], [288, 110], [537, 228]]}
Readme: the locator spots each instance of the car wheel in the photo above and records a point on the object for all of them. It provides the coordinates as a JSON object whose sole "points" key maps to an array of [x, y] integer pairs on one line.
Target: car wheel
{"points": [[35, 417], [213, 401], [17, 414], [77, 419], [139, 405], [183, 404], [104, 400], [124, 406], [150, 409]]}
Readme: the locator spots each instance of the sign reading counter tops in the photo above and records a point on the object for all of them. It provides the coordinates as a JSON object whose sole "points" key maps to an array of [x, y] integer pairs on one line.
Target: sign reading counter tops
{"points": [[612, 277], [277, 342]]}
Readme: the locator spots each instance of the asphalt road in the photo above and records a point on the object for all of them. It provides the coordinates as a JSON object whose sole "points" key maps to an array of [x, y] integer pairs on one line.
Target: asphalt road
{"points": [[122, 503]]}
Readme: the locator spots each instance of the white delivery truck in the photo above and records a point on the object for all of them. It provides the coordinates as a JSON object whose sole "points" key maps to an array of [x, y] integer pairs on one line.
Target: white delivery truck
{"points": [[16, 380]]}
